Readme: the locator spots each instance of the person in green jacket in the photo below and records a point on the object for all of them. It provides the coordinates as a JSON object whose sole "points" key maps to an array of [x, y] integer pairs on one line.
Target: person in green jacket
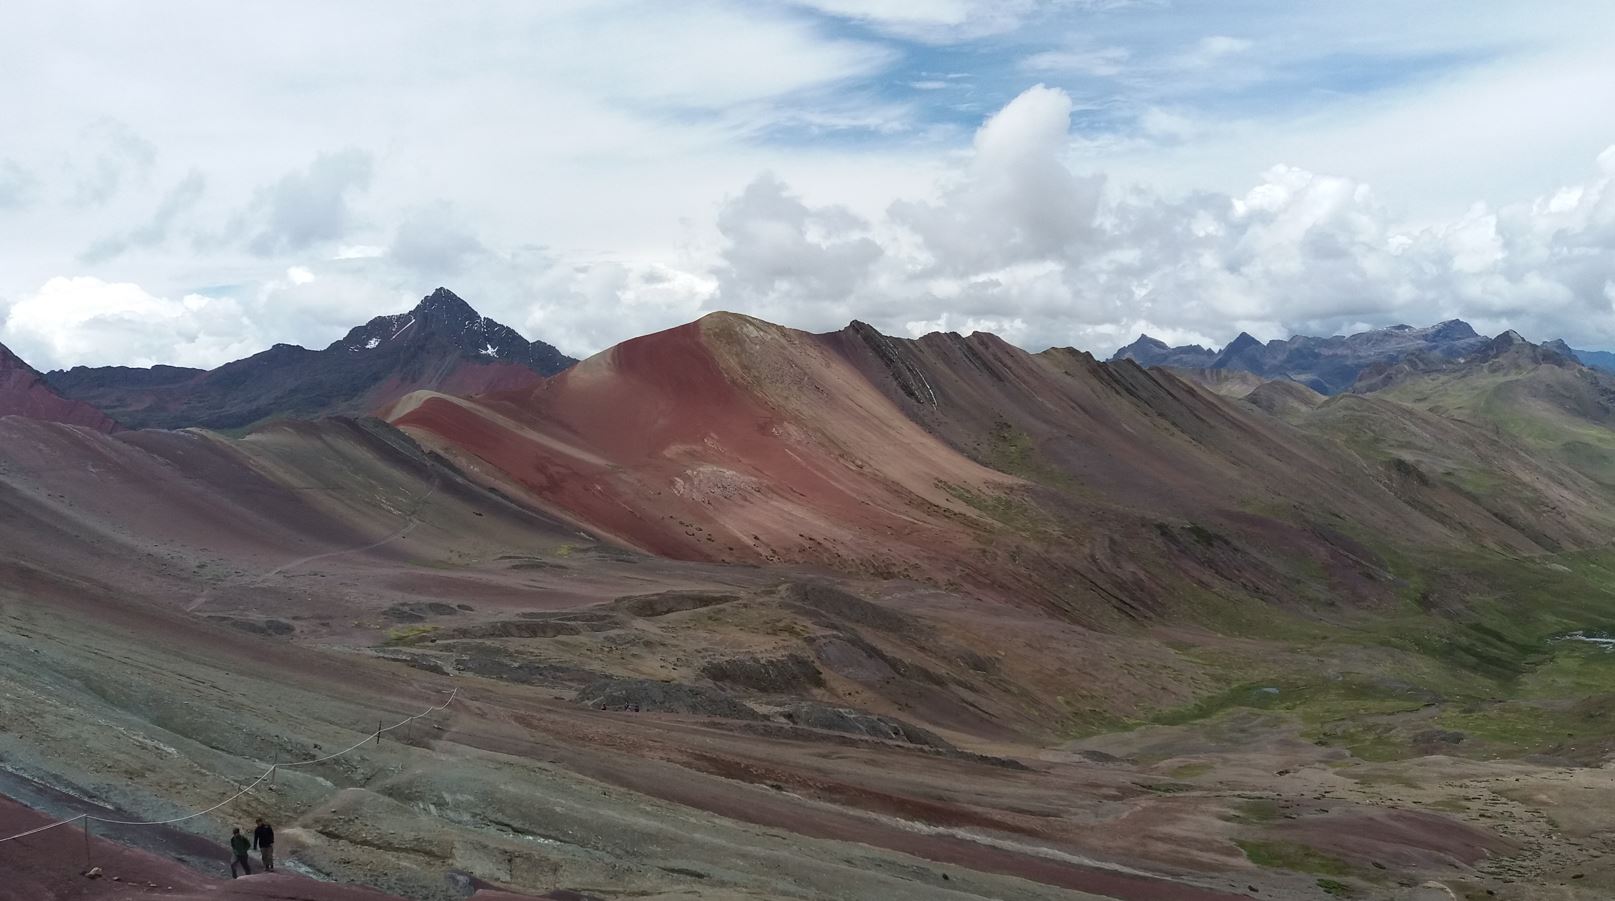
{"points": [[239, 846]]}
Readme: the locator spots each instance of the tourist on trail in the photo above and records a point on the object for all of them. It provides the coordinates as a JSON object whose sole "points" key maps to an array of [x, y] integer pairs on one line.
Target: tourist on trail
{"points": [[263, 838], [239, 846]]}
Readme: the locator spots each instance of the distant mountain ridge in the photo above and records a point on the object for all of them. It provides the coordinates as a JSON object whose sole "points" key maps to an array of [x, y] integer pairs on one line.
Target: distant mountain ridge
{"points": [[1602, 360], [1328, 365], [442, 344], [1508, 350]]}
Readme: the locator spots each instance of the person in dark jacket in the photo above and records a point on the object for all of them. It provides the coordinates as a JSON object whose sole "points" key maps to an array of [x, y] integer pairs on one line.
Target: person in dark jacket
{"points": [[239, 846], [263, 838]]}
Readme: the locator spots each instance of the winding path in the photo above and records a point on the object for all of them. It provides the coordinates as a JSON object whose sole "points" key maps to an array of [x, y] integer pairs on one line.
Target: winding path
{"points": [[412, 519]]}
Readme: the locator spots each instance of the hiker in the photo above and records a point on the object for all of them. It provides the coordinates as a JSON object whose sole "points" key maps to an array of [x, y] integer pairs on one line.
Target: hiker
{"points": [[239, 846], [263, 838]]}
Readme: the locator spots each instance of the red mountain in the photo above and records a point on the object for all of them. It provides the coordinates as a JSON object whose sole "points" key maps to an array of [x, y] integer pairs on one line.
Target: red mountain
{"points": [[24, 392], [725, 439], [1050, 478]]}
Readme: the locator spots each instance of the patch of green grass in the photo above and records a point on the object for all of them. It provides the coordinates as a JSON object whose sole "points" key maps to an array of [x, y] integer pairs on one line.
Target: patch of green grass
{"points": [[1256, 811], [1299, 858], [1472, 634], [1374, 742], [1518, 727], [1191, 770], [1165, 788], [1017, 514], [406, 635], [1313, 703], [1336, 888], [1577, 669], [1012, 451], [1084, 722]]}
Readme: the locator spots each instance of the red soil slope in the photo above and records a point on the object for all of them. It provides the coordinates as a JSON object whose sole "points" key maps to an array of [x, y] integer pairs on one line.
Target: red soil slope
{"points": [[725, 439], [24, 393], [957, 460]]}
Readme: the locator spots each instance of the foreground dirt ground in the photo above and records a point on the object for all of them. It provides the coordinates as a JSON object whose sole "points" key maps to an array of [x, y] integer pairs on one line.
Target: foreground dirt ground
{"points": [[154, 711]]}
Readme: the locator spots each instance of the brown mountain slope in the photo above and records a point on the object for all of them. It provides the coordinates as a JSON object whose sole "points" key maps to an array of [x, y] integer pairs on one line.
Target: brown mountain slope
{"points": [[179, 608], [23, 392], [1226, 382], [1047, 478], [725, 439]]}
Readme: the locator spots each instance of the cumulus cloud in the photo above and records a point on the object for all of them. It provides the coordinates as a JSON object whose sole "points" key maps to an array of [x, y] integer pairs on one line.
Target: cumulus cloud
{"points": [[1019, 243], [115, 153], [18, 186], [308, 206], [586, 306], [1017, 201], [178, 200], [782, 256], [434, 241], [72, 319]]}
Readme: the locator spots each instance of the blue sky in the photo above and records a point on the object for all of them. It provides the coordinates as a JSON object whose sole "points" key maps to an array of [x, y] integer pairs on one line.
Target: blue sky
{"points": [[194, 186]]}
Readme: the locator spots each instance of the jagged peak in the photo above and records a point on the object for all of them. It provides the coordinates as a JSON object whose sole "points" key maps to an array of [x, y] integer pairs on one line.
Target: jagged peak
{"points": [[1454, 329], [1243, 341], [446, 304], [1146, 340], [1510, 338]]}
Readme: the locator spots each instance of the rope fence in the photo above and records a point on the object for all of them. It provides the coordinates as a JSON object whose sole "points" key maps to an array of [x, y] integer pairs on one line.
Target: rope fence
{"points": [[375, 736]]}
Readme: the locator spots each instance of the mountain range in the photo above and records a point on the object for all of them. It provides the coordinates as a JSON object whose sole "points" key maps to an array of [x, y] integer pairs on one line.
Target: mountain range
{"points": [[442, 343], [734, 607], [1330, 365]]}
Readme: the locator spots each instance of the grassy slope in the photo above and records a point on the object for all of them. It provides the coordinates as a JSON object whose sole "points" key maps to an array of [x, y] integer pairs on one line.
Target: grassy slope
{"points": [[1468, 642], [1472, 659]]}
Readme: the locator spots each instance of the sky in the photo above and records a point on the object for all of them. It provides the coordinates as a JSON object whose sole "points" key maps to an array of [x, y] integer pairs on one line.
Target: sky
{"points": [[190, 183]]}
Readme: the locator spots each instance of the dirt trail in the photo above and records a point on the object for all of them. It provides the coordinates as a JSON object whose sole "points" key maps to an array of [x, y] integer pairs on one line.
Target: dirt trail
{"points": [[412, 519]]}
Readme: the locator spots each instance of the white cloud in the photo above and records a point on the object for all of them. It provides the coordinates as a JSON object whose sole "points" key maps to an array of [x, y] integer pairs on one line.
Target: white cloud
{"points": [[308, 206], [433, 241], [590, 304], [1211, 50], [1016, 201], [359, 252], [179, 200], [565, 166], [782, 256], [939, 21], [18, 186], [72, 319], [1103, 62], [1018, 242], [116, 153]]}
